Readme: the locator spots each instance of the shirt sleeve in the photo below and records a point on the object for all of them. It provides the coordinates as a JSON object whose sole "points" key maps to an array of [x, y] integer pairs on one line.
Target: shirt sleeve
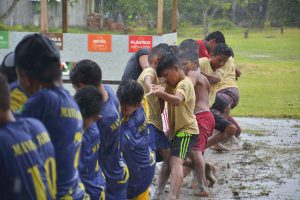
{"points": [[142, 52], [182, 88], [220, 73]]}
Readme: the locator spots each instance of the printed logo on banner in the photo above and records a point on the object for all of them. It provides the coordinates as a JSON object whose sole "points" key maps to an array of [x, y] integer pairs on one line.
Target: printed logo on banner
{"points": [[136, 42], [4, 40], [99, 43], [58, 38]]}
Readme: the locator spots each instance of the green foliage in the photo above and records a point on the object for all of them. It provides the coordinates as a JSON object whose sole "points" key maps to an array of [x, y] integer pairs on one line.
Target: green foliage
{"points": [[222, 24]]}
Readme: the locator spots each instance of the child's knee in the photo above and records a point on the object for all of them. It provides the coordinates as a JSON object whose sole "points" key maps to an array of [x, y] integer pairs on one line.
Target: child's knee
{"points": [[230, 130]]}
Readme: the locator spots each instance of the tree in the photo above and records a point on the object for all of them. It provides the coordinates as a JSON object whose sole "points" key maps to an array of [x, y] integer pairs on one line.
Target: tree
{"points": [[9, 10]]}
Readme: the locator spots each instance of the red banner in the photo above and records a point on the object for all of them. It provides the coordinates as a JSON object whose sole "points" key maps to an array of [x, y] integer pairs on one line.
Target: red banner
{"points": [[136, 42]]}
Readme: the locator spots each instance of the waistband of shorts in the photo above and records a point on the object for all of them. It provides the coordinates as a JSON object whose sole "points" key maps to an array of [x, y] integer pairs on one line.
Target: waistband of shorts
{"points": [[201, 111]]}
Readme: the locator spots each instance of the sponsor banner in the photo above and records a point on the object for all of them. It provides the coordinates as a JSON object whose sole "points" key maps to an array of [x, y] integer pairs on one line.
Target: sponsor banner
{"points": [[4, 40], [99, 43], [136, 42], [58, 38]]}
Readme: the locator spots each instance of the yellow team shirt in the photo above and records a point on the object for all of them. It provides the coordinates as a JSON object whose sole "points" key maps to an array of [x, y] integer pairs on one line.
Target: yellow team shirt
{"points": [[182, 117], [152, 102], [206, 68], [229, 79], [18, 98]]}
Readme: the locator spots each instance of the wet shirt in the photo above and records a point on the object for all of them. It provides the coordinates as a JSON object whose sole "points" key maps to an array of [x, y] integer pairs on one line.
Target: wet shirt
{"points": [[153, 103], [110, 158], [61, 116], [18, 96], [133, 68], [203, 52], [89, 170], [27, 163], [229, 77], [206, 67], [137, 153]]}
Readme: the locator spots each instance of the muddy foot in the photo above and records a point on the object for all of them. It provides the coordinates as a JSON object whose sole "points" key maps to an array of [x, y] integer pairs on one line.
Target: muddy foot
{"points": [[210, 172], [202, 193], [158, 196], [220, 147]]}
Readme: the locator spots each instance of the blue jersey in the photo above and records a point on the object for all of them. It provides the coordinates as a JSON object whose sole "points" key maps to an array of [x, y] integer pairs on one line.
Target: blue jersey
{"points": [[110, 158], [27, 163], [137, 153], [89, 170], [61, 116], [18, 96]]}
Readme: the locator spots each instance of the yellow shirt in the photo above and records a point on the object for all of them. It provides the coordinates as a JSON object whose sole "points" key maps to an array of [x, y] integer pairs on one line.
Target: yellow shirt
{"points": [[154, 112], [182, 117], [18, 98], [229, 79], [206, 68]]}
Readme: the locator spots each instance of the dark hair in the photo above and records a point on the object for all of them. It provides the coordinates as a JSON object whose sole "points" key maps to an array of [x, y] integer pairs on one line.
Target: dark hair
{"points": [[130, 92], [38, 57], [190, 55], [222, 49], [4, 93], [168, 61], [217, 35], [158, 50], [8, 68], [89, 100], [189, 45], [86, 72]]}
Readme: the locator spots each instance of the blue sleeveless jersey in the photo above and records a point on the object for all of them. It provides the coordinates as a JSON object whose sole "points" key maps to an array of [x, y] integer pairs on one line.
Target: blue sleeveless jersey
{"points": [[89, 170], [27, 163], [110, 158], [137, 153], [61, 116]]}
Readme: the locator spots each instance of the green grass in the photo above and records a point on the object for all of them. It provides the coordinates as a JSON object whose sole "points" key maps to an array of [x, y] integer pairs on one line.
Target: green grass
{"points": [[270, 66]]}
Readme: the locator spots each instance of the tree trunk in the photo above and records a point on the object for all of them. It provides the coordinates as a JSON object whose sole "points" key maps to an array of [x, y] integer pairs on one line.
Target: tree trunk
{"points": [[44, 16], [64, 16], [205, 21], [102, 15], [9, 10]]}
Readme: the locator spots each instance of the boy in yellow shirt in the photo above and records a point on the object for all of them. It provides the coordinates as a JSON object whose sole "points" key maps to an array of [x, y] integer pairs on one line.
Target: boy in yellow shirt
{"points": [[183, 123]]}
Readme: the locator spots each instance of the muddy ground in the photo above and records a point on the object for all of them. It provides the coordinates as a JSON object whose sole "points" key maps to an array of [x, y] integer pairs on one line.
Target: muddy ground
{"points": [[266, 167]]}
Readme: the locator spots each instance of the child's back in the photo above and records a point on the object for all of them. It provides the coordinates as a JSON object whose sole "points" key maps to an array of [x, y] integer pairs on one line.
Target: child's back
{"points": [[27, 161], [137, 153]]}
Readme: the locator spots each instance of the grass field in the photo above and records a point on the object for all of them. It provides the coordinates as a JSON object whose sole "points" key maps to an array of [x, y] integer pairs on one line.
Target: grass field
{"points": [[270, 66]]}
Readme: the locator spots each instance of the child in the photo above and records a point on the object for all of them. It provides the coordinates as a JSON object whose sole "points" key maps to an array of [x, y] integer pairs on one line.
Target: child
{"points": [[87, 72], [90, 101], [189, 45], [39, 73], [183, 123], [205, 119], [135, 140], [27, 163], [18, 96]]}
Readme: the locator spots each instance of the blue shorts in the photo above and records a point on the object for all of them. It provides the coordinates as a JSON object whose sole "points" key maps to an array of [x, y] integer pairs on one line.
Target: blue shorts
{"points": [[158, 139]]}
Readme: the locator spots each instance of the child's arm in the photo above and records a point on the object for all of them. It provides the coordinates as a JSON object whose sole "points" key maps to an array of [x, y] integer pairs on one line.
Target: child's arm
{"points": [[148, 82], [143, 60], [237, 73], [172, 99], [212, 78]]}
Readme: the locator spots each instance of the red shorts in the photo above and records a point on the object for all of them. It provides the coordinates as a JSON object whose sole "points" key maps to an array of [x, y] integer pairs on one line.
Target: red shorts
{"points": [[206, 124]]}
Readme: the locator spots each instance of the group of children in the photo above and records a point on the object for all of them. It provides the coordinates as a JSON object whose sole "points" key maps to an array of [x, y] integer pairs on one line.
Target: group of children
{"points": [[104, 145]]}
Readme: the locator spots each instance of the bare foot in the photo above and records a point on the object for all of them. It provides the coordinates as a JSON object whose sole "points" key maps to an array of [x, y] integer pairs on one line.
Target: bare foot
{"points": [[193, 185], [158, 196], [210, 172], [220, 147], [203, 192]]}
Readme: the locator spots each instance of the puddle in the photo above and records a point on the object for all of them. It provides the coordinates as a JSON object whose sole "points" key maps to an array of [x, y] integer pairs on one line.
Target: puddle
{"points": [[267, 167]]}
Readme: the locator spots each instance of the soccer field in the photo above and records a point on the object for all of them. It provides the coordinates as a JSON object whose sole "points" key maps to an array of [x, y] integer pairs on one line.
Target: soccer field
{"points": [[270, 66]]}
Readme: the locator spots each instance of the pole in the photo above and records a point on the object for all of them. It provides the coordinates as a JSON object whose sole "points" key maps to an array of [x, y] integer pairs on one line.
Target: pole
{"points": [[160, 17], [64, 16], [44, 16], [174, 17]]}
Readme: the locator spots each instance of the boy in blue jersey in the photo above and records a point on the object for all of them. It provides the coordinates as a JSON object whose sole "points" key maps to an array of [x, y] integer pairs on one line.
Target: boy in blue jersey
{"points": [[111, 161], [135, 140], [27, 163], [90, 101], [39, 74], [8, 69]]}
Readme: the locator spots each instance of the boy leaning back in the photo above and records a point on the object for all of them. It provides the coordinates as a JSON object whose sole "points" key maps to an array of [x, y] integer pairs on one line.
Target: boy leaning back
{"points": [[184, 128]]}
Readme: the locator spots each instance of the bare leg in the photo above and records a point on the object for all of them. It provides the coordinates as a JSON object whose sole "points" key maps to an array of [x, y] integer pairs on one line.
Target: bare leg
{"points": [[164, 172], [215, 139], [199, 164], [176, 164], [210, 172]]}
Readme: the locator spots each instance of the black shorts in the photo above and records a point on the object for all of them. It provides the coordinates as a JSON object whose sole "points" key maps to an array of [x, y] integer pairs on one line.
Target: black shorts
{"points": [[220, 122], [182, 143], [219, 104]]}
